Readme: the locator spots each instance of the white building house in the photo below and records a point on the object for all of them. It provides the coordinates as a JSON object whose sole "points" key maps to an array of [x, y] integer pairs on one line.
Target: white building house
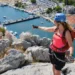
{"points": [[11, 2]]}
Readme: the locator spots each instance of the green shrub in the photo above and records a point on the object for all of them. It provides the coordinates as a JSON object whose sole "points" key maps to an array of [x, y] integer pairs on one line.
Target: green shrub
{"points": [[49, 10], [33, 1]]}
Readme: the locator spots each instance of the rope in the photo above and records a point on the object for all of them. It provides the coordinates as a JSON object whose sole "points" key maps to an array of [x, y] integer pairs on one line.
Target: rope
{"points": [[69, 60], [57, 57]]}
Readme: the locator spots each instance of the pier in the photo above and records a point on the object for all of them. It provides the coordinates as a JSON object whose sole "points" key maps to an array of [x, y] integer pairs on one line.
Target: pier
{"points": [[20, 20]]}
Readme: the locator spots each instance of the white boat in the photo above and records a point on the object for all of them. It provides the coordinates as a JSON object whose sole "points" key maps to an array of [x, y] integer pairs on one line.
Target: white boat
{"points": [[42, 22], [15, 33], [4, 17], [11, 32]]}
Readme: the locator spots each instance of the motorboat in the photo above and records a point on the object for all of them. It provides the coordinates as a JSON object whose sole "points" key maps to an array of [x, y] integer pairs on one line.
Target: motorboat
{"points": [[15, 33], [11, 32], [4, 17], [42, 22]]}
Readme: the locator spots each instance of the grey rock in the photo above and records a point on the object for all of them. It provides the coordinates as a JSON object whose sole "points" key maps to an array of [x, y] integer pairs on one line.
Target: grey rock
{"points": [[36, 38], [25, 35], [69, 69], [28, 57], [17, 43], [13, 60], [39, 53], [26, 44], [33, 69], [4, 44], [45, 42], [31, 41]]}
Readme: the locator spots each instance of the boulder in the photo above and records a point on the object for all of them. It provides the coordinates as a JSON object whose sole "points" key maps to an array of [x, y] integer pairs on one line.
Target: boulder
{"points": [[37, 39], [4, 43], [13, 60], [17, 43], [30, 41], [39, 53], [28, 57], [69, 69], [26, 44], [45, 42], [25, 35]]}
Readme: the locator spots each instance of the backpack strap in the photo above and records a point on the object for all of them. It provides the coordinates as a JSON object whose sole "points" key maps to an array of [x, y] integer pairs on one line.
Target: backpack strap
{"points": [[64, 33], [55, 29]]}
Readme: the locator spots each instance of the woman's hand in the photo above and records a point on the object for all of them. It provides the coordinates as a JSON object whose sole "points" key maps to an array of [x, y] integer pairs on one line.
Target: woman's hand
{"points": [[35, 26], [69, 57]]}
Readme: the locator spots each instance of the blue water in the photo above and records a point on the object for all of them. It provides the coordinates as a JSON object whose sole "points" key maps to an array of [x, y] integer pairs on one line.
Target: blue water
{"points": [[11, 13], [14, 14], [27, 27]]}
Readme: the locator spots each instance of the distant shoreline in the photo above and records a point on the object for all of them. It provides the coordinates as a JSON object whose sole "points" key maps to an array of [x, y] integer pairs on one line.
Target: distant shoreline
{"points": [[47, 18]]}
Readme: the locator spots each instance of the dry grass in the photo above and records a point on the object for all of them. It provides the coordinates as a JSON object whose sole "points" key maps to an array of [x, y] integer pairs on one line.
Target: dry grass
{"points": [[5, 52]]}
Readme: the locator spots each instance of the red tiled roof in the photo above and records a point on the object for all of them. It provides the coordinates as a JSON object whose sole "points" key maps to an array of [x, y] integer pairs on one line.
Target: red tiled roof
{"points": [[71, 19]]}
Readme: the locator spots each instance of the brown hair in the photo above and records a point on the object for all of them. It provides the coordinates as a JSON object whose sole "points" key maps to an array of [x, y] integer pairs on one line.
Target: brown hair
{"points": [[66, 26]]}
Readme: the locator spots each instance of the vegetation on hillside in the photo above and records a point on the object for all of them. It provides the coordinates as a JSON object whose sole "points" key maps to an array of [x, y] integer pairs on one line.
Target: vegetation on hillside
{"points": [[20, 4], [33, 1], [49, 10], [57, 8]]}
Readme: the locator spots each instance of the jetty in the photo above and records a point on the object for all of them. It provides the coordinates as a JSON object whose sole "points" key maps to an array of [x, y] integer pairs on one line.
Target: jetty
{"points": [[20, 20]]}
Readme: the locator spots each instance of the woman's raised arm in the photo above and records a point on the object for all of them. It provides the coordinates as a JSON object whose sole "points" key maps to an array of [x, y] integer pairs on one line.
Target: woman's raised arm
{"points": [[48, 29]]}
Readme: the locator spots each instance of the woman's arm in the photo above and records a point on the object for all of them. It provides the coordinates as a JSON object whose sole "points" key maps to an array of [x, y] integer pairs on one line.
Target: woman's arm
{"points": [[69, 40], [48, 29]]}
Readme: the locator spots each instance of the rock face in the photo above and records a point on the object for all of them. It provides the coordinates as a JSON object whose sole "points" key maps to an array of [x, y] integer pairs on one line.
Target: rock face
{"points": [[36, 50], [29, 40], [13, 60], [39, 53], [69, 69], [34, 69], [4, 43], [40, 69]]}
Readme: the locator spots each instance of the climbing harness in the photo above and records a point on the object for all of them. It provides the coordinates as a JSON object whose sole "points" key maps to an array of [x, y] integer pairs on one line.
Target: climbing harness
{"points": [[67, 59]]}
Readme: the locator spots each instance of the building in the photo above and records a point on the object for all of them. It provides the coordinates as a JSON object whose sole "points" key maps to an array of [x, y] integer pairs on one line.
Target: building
{"points": [[11, 2]]}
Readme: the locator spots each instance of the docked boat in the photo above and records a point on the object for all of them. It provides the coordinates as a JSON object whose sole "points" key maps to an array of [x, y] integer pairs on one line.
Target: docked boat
{"points": [[11, 32], [42, 22], [4, 17], [15, 33]]}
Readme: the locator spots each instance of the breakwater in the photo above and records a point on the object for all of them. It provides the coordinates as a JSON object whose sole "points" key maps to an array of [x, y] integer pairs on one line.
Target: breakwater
{"points": [[20, 20]]}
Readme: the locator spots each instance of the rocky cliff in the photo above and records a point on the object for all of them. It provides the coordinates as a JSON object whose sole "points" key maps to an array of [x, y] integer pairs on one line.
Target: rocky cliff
{"points": [[28, 55]]}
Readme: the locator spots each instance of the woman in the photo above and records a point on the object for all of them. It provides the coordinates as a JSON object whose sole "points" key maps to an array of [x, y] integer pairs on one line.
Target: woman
{"points": [[57, 47]]}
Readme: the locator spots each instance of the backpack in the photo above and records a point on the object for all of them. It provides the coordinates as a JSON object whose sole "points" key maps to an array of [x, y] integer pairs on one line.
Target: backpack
{"points": [[72, 35]]}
